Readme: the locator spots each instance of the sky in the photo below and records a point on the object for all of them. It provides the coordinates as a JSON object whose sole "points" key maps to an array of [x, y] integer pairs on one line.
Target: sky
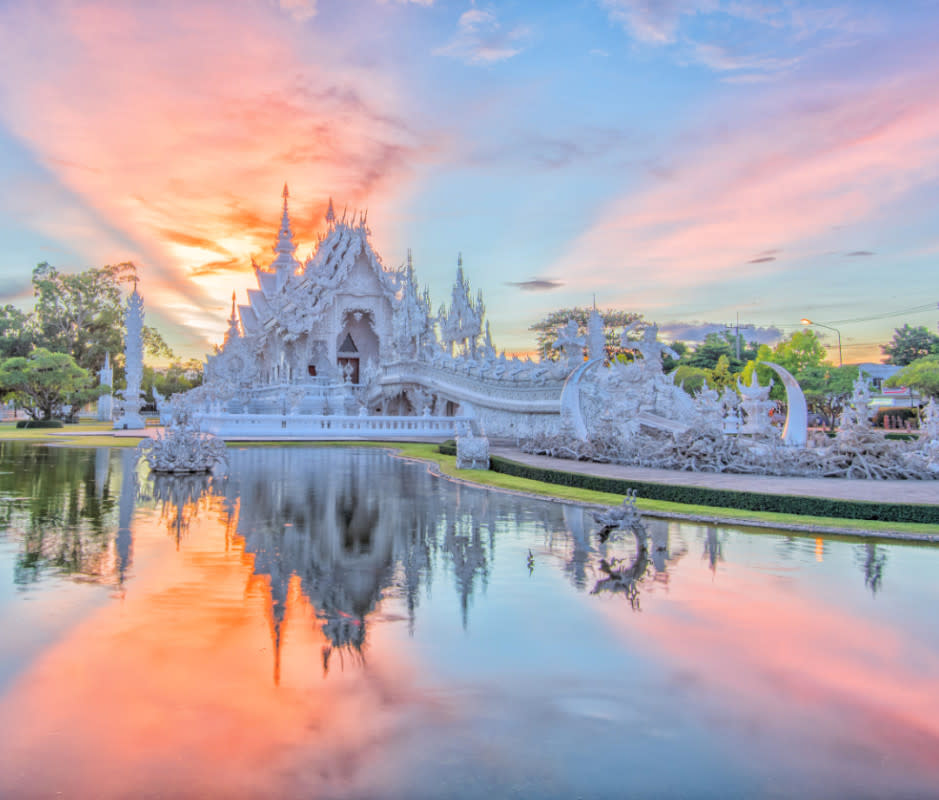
{"points": [[697, 161]]}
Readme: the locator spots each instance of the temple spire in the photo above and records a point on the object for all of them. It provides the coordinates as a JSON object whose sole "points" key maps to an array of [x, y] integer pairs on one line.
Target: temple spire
{"points": [[233, 330], [330, 214], [284, 262]]}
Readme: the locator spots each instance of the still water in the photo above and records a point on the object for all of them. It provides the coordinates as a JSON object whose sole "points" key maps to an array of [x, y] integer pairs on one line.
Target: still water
{"points": [[325, 622]]}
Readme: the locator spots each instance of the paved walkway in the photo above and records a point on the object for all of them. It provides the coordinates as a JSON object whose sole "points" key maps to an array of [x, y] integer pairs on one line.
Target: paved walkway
{"points": [[837, 488]]}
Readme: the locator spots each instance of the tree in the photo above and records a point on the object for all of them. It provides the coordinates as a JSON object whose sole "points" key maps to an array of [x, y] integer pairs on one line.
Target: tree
{"points": [[46, 384], [827, 389], [83, 314], [547, 328], [720, 344], [909, 344], [16, 332], [921, 375], [180, 376], [722, 376], [691, 379], [799, 352]]}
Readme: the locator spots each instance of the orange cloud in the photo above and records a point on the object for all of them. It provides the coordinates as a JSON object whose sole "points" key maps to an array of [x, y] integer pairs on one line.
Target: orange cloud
{"points": [[177, 123]]}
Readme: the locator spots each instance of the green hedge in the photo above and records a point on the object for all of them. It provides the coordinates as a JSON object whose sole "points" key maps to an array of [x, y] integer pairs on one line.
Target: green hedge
{"points": [[720, 498], [905, 437], [40, 423]]}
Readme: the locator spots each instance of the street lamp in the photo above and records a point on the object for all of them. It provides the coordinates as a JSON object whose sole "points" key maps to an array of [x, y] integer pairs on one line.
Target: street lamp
{"points": [[805, 321]]}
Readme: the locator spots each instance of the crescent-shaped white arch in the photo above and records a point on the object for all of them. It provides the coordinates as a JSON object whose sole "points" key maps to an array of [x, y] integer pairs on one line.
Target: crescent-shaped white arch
{"points": [[796, 430], [570, 397]]}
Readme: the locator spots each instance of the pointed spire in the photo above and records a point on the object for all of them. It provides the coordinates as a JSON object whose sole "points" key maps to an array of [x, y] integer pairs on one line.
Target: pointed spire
{"points": [[234, 331], [284, 262], [330, 214]]}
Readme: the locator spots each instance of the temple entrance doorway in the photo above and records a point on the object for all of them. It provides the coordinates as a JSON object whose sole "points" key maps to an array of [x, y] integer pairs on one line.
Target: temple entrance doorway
{"points": [[356, 345], [349, 366]]}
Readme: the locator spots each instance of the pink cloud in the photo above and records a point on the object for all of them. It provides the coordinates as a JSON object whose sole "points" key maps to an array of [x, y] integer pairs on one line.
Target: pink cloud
{"points": [[782, 177], [176, 124]]}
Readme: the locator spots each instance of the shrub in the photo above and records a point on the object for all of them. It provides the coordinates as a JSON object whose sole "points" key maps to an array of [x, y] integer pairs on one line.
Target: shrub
{"points": [[40, 423], [721, 498]]}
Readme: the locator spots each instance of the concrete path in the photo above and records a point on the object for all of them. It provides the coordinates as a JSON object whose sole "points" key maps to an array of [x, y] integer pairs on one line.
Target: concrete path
{"points": [[837, 488]]}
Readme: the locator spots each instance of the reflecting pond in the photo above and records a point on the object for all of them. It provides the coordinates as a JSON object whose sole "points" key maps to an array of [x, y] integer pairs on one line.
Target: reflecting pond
{"points": [[329, 622]]}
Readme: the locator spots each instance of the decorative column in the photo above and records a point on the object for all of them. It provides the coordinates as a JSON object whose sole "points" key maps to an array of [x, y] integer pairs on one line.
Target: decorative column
{"points": [[106, 401], [133, 359]]}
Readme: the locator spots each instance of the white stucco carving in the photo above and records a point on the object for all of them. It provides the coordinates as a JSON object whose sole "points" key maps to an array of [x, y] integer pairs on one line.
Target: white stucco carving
{"points": [[130, 401], [342, 346]]}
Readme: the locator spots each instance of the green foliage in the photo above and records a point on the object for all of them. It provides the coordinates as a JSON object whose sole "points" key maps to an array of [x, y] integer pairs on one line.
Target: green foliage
{"points": [[547, 328], [83, 314], [716, 345], [669, 363], [722, 498], [921, 375], [40, 423], [691, 379], [16, 332], [801, 350], [909, 344], [46, 384], [827, 389], [180, 376]]}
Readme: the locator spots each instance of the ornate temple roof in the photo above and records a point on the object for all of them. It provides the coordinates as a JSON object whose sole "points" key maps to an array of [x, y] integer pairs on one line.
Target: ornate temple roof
{"points": [[288, 285]]}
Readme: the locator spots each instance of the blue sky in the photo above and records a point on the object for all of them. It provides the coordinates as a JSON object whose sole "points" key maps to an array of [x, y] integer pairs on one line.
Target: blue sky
{"points": [[686, 159]]}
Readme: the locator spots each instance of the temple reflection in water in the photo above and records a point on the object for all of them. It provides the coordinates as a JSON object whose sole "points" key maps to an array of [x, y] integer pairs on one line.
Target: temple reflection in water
{"points": [[351, 527], [379, 528]]}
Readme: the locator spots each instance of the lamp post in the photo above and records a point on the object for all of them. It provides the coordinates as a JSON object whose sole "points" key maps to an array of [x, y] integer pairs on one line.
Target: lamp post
{"points": [[805, 321]]}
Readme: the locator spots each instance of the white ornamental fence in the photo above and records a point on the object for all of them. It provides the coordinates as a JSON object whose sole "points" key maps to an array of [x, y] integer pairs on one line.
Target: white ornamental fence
{"points": [[332, 426]]}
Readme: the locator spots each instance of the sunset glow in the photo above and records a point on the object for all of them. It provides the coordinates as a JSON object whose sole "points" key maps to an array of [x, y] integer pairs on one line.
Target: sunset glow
{"points": [[687, 160]]}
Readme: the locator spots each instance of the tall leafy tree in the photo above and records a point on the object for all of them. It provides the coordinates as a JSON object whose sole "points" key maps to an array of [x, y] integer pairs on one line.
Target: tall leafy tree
{"points": [[83, 314], [717, 345], [16, 332], [801, 350], [46, 384], [909, 344]]}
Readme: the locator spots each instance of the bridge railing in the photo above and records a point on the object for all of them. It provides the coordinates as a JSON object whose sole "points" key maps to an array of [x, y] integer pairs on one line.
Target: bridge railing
{"points": [[332, 426]]}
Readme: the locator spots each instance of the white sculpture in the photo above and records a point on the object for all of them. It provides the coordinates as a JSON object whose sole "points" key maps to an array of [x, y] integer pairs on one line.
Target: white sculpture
{"points": [[106, 401], [796, 429], [596, 336], [472, 452], [130, 418], [339, 346], [756, 405], [571, 344], [181, 449]]}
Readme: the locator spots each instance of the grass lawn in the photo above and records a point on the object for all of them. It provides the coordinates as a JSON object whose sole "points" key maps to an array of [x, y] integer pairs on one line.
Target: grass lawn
{"points": [[447, 466]]}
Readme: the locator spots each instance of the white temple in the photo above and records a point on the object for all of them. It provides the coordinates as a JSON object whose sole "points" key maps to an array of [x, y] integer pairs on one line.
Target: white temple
{"points": [[340, 345]]}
